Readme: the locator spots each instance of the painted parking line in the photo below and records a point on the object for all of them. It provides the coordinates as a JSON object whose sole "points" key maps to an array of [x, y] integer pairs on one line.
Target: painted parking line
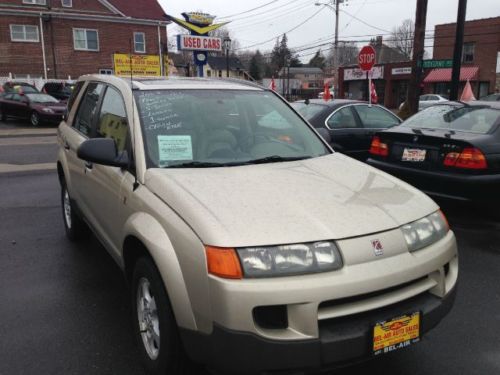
{"points": [[11, 168]]}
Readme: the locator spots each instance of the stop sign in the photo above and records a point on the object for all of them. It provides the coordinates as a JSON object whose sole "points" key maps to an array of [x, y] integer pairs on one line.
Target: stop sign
{"points": [[366, 58]]}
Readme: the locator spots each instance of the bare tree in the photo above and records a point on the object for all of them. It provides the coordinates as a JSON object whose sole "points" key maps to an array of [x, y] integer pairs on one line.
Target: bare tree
{"points": [[347, 54], [401, 38]]}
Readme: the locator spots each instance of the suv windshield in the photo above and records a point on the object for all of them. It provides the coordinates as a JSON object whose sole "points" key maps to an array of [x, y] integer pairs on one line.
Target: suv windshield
{"points": [[473, 119], [211, 128]]}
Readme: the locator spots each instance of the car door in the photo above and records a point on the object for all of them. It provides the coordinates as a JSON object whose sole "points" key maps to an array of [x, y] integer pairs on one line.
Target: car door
{"points": [[345, 131], [101, 184], [73, 136], [7, 104], [18, 106], [373, 118]]}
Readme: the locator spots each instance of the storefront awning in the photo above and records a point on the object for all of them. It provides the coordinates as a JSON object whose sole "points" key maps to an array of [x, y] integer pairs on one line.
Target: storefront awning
{"points": [[444, 75]]}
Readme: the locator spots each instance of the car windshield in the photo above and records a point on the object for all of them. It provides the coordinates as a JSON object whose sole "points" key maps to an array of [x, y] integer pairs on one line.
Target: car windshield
{"points": [[473, 119], [211, 128], [42, 98], [308, 110]]}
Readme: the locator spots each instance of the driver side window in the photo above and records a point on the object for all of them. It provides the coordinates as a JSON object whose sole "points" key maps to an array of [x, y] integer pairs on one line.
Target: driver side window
{"points": [[342, 119], [87, 111], [113, 119]]}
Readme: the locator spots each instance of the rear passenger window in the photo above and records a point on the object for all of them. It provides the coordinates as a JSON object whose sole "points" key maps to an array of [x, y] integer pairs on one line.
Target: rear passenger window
{"points": [[342, 119], [113, 118], [87, 111], [74, 95], [375, 117]]}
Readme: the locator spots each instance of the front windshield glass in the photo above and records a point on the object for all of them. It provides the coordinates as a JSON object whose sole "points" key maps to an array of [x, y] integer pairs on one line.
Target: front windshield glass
{"points": [[308, 110], [42, 98], [473, 119], [210, 128]]}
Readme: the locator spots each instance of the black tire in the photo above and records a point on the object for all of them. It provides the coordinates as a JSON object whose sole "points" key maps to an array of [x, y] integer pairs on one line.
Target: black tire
{"points": [[170, 357], [35, 119], [74, 226]]}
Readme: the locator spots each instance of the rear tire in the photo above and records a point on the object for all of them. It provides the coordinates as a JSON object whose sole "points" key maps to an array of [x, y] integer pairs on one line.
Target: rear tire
{"points": [[155, 328], [35, 119], [74, 226]]}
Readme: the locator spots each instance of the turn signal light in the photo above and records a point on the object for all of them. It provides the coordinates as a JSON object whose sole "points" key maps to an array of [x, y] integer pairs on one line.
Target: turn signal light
{"points": [[469, 158], [223, 262], [378, 147]]}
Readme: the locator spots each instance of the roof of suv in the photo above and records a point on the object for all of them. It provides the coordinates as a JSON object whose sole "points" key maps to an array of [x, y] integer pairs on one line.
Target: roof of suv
{"points": [[158, 83]]}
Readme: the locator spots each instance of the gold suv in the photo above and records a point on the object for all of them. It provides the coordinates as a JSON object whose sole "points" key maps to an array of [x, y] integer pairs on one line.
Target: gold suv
{"points": [[249, 244]]}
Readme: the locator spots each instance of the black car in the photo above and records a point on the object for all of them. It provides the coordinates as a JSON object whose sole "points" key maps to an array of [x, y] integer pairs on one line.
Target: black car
{"points": [[59, 90], [351, 124], [450, 150]]}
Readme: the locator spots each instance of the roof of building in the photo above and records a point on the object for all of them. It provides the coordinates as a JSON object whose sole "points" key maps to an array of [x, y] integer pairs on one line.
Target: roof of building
{"points": [[142, 9], [303, 70], [219, 63]]}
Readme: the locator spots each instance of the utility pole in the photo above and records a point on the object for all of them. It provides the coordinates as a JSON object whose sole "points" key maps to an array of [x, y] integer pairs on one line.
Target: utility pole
{"points": [[418, 56], [457, 52]]}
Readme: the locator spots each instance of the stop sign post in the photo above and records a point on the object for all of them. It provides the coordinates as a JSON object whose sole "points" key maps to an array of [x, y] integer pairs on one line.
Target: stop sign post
{"points": [[366, 60]]}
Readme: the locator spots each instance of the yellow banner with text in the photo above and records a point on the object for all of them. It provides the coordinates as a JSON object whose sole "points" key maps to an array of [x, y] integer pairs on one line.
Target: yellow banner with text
{"points": [[142, 65]]}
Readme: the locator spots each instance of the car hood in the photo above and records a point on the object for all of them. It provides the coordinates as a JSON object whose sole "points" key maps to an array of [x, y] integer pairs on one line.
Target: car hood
{"points": [[330, 197]]}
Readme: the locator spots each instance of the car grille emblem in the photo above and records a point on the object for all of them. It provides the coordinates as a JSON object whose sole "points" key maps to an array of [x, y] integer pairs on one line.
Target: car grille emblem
{"points": [[415, 139], [378, 249]]}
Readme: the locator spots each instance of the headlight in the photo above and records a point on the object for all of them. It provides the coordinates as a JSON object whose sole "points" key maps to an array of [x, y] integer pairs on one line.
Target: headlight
{"points": [[426, 231], [47, 110], [289, 260]]}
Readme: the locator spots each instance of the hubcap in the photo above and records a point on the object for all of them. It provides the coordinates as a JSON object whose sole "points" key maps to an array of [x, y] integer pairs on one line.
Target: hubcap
{"points": [[147, 314], [34, 119], [67, 208]]}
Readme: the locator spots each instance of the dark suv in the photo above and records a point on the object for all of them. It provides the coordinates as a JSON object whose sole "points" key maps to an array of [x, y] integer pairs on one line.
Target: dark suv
{"points": [[59, 90]]}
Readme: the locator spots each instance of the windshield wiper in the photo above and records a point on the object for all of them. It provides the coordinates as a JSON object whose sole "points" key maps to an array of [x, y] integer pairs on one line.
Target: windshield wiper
{"points": [[196, 164], [277, 159]]}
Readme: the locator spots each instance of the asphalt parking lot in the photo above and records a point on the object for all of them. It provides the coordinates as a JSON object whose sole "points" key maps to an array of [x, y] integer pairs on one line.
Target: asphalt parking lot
{"points": [[65, 308]]}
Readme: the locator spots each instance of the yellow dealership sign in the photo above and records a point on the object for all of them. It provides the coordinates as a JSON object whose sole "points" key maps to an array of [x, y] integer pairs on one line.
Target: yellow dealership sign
{"points": [[142, 65]]}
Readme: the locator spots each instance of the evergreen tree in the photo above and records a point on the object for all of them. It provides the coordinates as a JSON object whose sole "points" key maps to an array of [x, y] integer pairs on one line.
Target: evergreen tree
{"points": [[256, 66], [318, 60]]}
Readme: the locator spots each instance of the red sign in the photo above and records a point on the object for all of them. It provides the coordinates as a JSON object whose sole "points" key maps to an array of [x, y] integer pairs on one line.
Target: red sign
{"points": [[366, 58], [199, 43]]}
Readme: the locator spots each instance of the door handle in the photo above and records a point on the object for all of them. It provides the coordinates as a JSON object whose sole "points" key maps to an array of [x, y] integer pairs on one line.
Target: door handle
{"points": [[88, 165], [66, 146]]}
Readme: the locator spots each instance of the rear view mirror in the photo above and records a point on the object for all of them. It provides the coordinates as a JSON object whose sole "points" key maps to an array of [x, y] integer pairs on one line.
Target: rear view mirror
{"points": [[103, 151]]}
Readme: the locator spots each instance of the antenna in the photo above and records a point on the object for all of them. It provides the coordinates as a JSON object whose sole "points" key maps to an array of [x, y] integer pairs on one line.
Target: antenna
{"points": [[136, 183]]}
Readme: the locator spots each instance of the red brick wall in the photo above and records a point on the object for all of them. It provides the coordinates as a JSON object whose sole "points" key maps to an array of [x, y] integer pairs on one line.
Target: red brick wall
{"points": [[26, 58], [485, 33], [87, 5]]}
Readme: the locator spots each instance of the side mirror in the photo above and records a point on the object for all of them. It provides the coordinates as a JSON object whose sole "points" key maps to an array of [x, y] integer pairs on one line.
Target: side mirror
{"points": [[103, 151], [325, 134]]}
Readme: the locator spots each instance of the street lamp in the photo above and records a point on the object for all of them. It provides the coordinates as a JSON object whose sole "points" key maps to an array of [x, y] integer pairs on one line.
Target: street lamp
{"points": [[227, 46]]}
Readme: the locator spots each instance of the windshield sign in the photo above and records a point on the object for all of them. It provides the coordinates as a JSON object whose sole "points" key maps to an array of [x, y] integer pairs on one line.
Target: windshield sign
{"points": [[212, 128], [473, 119]]}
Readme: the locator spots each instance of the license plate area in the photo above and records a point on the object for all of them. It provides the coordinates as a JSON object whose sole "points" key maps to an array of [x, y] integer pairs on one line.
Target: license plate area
{"points": [[397, 333], [414, 155]]}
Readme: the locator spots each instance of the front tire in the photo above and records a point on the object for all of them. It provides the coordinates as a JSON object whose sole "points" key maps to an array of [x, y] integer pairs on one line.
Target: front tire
{"points": [[35, 119], [155, 329], [74, 226]]}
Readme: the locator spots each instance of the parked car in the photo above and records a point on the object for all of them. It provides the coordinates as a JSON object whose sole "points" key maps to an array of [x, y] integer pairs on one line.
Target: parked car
{"points": [[491, 98], [450, 150], [59, 90], [249, 244], [351, 123], [17, 87], [36, 107], [322, 93], [428, 100]]}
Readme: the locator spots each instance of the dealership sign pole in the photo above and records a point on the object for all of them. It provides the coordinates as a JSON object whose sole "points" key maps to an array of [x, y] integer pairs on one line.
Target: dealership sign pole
{"points": [[366, 60], [199, 24]]}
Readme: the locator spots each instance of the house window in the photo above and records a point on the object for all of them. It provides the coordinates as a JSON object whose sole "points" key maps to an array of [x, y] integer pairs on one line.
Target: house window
{"points": [[36, 2], [468, 53], [67, 3], [24, 33], [86, 40], [140, 42], [209, 73], [106, 71]]}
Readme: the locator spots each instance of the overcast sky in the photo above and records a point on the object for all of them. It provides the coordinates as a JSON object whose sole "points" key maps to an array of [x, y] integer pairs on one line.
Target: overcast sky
{"points": [[371, 17]]}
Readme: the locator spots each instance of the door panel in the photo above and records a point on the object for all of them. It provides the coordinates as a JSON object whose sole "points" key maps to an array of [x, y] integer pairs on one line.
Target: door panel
{"points": [[346, 133]]}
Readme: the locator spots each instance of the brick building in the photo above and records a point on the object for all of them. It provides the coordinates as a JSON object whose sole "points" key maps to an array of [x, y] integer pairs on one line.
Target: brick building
{"points": [[61, 38], [479, 57]]}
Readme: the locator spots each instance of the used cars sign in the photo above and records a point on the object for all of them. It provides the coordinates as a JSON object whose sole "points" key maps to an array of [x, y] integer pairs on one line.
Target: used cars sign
{"points": [[199, 43]]}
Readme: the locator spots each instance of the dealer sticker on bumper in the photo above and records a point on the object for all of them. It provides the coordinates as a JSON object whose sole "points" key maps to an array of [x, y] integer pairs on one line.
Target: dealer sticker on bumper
{"points": [[396, 334]]}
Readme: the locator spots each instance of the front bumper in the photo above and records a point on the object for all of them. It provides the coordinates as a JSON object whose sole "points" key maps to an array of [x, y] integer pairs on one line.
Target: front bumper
{"points": [[445, 184], [51, 118], [342, 341]]}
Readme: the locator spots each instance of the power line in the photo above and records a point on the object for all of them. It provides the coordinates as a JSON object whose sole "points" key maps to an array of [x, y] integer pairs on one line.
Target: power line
{"points": [[265, 12], [366, 23], [249, 10]]}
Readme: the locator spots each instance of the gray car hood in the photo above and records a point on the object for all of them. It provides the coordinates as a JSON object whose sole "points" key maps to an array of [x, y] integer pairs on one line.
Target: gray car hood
{"points": [[330, 197]]}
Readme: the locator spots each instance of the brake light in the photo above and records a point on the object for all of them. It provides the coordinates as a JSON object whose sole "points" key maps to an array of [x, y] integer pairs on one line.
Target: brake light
{"points": [[469, 158], [378, 147]]}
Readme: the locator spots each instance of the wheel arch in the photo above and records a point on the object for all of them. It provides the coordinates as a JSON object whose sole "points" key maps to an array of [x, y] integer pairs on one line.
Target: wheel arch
{"points": [[145, 236]]}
